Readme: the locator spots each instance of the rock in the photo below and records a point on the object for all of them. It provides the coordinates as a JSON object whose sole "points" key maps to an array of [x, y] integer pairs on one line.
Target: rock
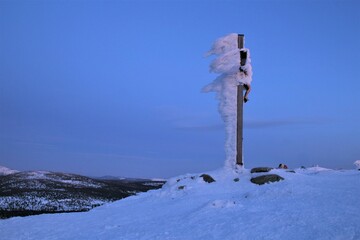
{"points": [[266, 179], [292, 171], [207, 178], [181, 187], [283, 166], [236, 179], [260, 169]]}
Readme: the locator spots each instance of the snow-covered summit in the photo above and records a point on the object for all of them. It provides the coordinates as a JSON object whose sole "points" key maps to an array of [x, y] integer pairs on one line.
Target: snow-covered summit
{"points": [[6, 171], [309, 204]]}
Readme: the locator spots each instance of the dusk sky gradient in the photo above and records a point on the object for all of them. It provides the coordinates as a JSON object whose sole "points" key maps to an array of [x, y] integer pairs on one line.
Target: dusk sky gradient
{"points": [[114, 87]]}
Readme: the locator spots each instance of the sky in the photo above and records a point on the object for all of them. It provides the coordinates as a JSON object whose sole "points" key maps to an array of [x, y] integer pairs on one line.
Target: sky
{"points": [[114, 87]]}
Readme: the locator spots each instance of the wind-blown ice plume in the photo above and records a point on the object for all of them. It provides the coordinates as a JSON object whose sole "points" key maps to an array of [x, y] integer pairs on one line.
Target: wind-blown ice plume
{"points": [[227, 63], [357, 164]]}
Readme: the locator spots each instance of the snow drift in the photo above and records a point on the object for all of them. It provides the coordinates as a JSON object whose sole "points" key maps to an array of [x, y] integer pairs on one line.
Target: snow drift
{"points": [[227, 64]]}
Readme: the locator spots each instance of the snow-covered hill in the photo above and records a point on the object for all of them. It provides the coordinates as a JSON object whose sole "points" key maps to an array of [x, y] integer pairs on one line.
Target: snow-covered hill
{"points": [[27, 193], [313, 203], [6, 171]]}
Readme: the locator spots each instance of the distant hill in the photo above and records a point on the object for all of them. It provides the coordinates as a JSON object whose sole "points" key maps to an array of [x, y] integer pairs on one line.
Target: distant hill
{"points": [[109, 178], [6, 171], [125, 179], [35, 192]]}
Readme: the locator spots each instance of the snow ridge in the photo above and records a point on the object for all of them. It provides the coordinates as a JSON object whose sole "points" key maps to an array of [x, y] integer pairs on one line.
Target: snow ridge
{"points": [[6, 171]]}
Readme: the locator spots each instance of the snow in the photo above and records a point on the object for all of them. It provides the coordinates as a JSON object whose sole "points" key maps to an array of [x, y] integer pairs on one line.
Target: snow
{"points": [[227, 64], [50, 191], [152, 184], [315, 203], [6, 171], [357, 164], [55, 177], [38, 175], [81, 183], [158, 180], [36, 203]]}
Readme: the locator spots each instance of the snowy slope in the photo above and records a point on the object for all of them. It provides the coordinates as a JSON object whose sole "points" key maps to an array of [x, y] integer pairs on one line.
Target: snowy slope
{"points": [[6, 171], [312, 203], [35, 192]]}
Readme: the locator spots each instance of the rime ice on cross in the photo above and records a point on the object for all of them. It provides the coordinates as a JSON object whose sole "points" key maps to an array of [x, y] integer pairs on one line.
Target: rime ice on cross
{"points": [[233, 65]]}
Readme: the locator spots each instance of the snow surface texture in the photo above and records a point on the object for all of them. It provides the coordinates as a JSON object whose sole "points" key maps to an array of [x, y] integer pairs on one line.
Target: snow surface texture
{"points": [[313, 203], [227, 64]]}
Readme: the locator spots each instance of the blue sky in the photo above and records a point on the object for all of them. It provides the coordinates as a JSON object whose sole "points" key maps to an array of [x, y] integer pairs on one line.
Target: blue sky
{"points": [[114, 87]]}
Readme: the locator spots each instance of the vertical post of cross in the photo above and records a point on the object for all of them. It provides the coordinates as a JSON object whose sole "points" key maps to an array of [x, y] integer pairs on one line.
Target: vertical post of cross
{"points": [[240, 99]]}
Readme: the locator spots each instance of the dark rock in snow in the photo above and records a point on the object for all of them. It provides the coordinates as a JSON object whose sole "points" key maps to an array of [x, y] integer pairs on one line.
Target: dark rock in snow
{"points": [[207, 178], [236, 179], [181, 187], [282, 166], [260, 180], [260, 169]]}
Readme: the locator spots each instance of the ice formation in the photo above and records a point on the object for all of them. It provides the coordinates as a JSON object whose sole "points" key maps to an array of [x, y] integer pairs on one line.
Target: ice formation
{"points": [[357, 164], [227, 64]]}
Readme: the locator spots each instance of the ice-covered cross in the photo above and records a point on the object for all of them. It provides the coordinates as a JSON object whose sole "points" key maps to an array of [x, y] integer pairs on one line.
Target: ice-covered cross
{"points": [[233, 64]]}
